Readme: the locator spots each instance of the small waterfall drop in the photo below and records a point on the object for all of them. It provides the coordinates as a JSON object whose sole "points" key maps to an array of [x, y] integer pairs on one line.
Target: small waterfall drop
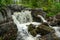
{"points": [[57, 29], [42, 18], [21, 19], [24, 16]]}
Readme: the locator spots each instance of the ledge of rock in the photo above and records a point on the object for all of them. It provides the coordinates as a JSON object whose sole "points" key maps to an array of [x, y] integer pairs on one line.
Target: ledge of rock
{"points": [[55, 20], [8, 31], [42, 29]]}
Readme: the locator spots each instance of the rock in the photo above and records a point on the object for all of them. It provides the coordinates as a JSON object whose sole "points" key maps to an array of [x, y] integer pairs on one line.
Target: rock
{"points": [[32, 29], [58, 19], [50, 36], [54, 20], [5, 14], [16, 7], [36, 12], [42, 29], [8, 31], [58, 16]]}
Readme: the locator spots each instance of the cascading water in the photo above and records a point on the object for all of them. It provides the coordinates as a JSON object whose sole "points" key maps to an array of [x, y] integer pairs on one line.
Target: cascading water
{"points": [[24, 18], [21, 19], [57, 29], [42, 18]]}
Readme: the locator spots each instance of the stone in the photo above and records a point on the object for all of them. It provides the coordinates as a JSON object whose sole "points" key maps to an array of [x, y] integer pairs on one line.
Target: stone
{"points": [[50, 36], [8, 31], [42, 29], [54, 20], [58, 19], [36, 12], [16, 7]]}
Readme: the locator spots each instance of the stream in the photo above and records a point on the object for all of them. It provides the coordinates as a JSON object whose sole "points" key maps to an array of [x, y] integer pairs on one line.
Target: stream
{"points": [[22, 20]]}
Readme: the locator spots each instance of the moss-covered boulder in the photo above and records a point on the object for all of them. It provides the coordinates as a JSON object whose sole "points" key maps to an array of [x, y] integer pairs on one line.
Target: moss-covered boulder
{"points": [[42, 29]]}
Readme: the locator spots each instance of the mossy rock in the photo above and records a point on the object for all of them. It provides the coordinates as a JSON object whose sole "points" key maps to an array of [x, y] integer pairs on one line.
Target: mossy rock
{"points": [[45, 29], [31, 27], [42, 29], [33, 32]]}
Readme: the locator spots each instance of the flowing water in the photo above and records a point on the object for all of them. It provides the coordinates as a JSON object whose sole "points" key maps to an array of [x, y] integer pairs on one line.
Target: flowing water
{"points": [[22, 20], [56, 28], [57, 31], [23, 17]]}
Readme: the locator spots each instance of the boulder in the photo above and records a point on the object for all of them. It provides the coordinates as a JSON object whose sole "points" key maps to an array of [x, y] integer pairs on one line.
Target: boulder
{"points": [[50, 36], [35, 12], [54, 20], [8, 30], [42, 29], [58, 19]]}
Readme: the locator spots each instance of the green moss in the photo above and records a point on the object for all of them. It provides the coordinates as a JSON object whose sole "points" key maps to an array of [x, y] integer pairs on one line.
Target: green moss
{"points": [[1, 38]]}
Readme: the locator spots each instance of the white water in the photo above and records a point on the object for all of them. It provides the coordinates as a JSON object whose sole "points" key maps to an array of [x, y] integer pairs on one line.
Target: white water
{"points": [[24, 18], [57, 31], [42, 18]]}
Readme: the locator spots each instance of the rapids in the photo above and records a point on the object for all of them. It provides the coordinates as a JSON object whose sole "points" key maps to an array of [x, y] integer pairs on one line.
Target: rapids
{"points": [[22, 20]]}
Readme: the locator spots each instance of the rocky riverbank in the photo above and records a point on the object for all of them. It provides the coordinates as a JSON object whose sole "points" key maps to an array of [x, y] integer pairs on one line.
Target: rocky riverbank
{"points": [[45, 32], [8, 30]]}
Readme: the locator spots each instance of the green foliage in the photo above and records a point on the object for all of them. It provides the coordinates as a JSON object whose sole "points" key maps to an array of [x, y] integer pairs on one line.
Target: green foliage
{"points": [[6, 2], [50, 6], [54, 9]]}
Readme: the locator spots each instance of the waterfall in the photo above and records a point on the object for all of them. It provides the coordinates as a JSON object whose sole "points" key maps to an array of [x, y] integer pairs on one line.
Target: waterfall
{"points": [[42, 18], [22, 19], [57, 29]]}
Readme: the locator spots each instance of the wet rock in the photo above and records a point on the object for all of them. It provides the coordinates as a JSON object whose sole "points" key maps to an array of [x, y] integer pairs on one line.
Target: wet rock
{"points": [[16, 7], [32, 29], [36, 12], [58, 19], [46, 32], [54, 20], [42, 29], [5, 14], [50, 36], [8, 31]]}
